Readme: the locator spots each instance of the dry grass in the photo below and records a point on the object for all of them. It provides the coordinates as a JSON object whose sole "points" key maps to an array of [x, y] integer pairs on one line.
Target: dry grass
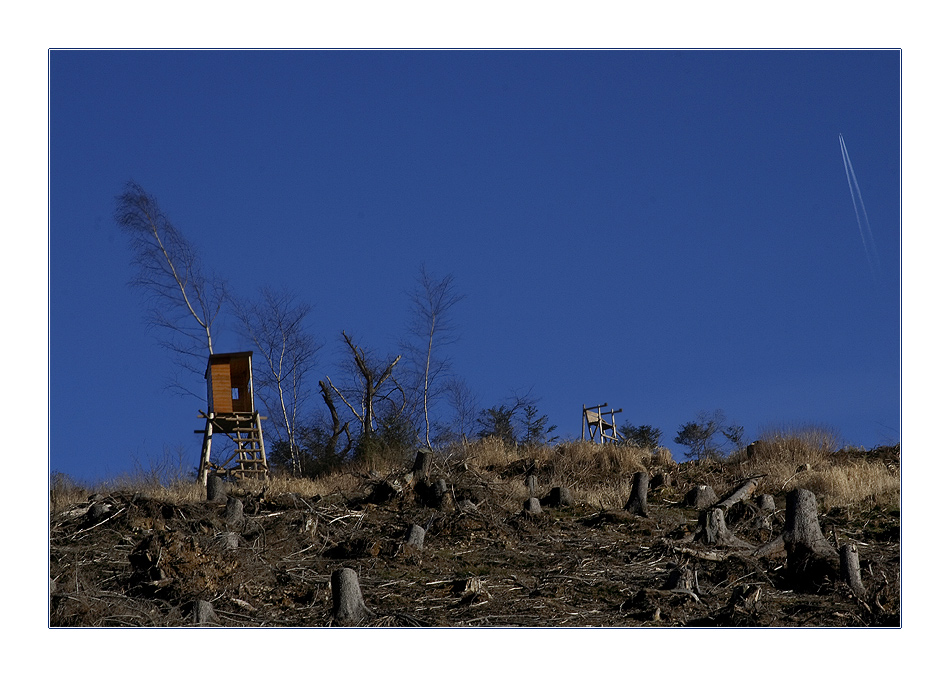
{"points": [[596, 474], [663, 458], [574, 463], [796, 445], [851, 484], [599, 475], [807, 457]]}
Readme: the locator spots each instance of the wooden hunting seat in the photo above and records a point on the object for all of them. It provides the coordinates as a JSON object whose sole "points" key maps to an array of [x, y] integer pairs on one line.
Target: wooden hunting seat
{"points": [[598, 427]]}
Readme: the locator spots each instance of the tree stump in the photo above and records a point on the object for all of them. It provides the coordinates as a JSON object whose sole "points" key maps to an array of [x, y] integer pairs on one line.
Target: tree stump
{"points": [[851, 569], [348, 606], [765, 505], [637, 503], [234, 512], [532, 483], [811, 558], [801, 523], [440, 497], [701, 497], [533, 506], [217, 493], [421, 466], [414, 537], [713, 530], [559, 497], [660, 479], [202, 613]]}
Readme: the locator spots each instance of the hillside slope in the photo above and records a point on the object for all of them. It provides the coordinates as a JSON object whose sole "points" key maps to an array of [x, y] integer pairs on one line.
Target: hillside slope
{"points": [[157, 558]]}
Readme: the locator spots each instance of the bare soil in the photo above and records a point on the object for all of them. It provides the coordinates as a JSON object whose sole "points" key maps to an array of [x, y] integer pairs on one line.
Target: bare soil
{"points": [[125, 559]]}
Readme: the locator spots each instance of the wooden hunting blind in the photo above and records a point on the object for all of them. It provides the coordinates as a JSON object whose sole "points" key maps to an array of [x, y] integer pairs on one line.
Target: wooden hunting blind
{"points": [[231, 411], [598, 427], [230, 388]]}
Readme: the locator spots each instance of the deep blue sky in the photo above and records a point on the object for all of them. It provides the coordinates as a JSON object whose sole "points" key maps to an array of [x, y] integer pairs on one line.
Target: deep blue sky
{"points": [[665, 231]]}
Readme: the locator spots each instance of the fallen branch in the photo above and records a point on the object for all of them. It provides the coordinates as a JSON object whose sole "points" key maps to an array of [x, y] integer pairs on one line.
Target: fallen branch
{"points": [[710, 556]]}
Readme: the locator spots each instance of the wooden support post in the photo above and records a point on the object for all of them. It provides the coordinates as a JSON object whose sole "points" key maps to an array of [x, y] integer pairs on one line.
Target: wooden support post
{"points": [[205, 454]]}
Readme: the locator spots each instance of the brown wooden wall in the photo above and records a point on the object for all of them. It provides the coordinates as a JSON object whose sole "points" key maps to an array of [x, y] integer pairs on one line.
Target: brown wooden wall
{"points": [[229, 383]]}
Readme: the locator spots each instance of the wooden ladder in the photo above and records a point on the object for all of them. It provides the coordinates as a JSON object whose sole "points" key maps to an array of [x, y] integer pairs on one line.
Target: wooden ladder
{"points": [[248, 460], [249, 454]]}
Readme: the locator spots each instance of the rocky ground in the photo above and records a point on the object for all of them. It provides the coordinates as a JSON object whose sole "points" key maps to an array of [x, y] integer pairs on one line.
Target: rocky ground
{"points": [[266, 557]]}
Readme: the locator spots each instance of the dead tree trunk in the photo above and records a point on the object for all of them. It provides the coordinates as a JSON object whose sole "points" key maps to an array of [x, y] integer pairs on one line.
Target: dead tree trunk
{"points": [[802, 537], [348, 606], [851, 569], [637, 503], [371, 381], [336, 428]]}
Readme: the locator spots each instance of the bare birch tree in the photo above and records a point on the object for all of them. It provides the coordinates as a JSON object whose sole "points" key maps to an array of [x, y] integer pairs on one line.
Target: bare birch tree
{"points": [[274, 323], [431, 326], [183, 303]]}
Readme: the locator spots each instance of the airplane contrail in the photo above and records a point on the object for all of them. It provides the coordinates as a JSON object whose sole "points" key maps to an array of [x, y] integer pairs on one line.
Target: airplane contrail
{"points": [[864, 226]]}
